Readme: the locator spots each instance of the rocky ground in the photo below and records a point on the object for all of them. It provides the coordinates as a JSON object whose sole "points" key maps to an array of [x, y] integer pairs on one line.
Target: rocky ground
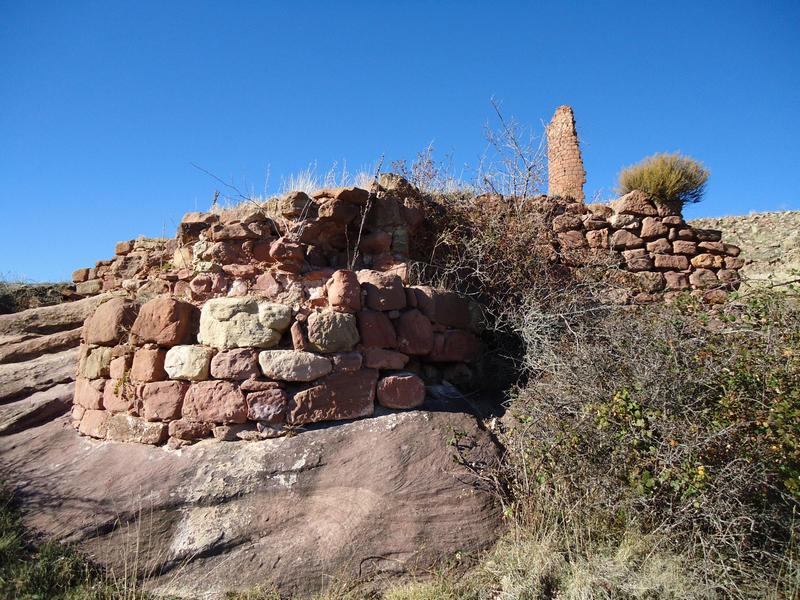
{"points": [[38, 350], [371, 499], [770, 243], [15, 297]]}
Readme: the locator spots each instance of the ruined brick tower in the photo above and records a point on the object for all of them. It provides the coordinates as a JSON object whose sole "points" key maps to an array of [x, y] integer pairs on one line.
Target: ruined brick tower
{"points": [[565, 172]]}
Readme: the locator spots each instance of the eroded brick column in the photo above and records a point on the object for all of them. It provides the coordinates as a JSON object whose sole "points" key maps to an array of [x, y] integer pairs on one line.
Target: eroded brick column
{"points": [[565, 172]]}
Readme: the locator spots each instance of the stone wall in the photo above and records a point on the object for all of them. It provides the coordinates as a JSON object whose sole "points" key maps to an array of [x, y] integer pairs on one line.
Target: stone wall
{"points": [[663, 254], [770, 242], [257, 320], [244, 326], [565, 172]]}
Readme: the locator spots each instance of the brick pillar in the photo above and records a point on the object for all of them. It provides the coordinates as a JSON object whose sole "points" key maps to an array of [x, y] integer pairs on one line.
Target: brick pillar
{"points": [[565, 173]]}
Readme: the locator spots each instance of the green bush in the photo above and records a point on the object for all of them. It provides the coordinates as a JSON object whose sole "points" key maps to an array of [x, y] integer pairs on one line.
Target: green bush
{"points": [[670, 179]]}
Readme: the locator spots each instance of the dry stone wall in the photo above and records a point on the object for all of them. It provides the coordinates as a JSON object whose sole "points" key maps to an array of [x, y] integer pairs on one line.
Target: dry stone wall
{"points": [[663, 254], [237, 331], [261, 319], [770, 241]]}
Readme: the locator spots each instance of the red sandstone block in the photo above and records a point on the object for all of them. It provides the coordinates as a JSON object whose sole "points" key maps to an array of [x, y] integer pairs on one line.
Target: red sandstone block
{"points": [[118, 397], [89, 393], [384, 291], [215, 402], [80, 275], [344, 291], [676, 281], [94, 423], [165, 321], [376, 330], [703, 279], [414, 333], [403, 391], [337, 396], [238, 364], [378, 358], [686, 247], [162, 400], [653, 228], [189, 430], [148, 365], [672, 262], [268, 406], [110, 322]]}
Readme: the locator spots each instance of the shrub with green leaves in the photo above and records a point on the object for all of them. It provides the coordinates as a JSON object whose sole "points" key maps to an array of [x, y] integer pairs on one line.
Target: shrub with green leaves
{"points": [[670, 179], [682, 420]]}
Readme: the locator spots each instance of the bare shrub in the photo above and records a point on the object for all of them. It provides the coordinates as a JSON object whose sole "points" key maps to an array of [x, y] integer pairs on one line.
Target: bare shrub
{"points": [[514, 163]]}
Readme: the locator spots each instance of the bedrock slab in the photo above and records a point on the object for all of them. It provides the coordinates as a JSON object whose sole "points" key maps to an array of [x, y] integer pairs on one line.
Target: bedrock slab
{"points": [[373, 498]]}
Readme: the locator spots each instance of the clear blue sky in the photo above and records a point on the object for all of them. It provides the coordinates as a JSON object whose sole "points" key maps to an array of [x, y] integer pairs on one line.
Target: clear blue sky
{"points": [[104, 105]]}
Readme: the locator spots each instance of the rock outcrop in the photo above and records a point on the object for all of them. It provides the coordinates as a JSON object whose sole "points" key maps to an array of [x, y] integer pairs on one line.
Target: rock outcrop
{"points": [[38, 350], [375, 498]]}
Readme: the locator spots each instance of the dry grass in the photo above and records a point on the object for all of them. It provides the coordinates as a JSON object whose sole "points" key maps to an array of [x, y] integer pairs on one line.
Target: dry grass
{"points": [[670, 179]]}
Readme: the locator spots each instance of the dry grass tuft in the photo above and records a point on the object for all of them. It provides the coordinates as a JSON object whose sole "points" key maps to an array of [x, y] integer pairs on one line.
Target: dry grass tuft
{"points": [[670, 179]]}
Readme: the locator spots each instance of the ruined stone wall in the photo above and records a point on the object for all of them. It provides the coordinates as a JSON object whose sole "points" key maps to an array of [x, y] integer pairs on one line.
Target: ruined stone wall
{"points": [[565, 172], [662, 254], [261, 319], [770, 242], [253, 322]]}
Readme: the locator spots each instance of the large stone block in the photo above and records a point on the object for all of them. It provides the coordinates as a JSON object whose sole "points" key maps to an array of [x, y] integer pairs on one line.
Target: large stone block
{"points": [[164, 321], [708, 261], [671, 262], [238, 364], [118, 396], [89, 393], [148, 365], [189, 430], [94, 423], [162, 400], [338, 396], [703, 279], [268, 406], [403, 390], [243, 322], [376, 330], [635, 203], [653, 228], [127, 428], [110, 322], [214, 402], [676, 281], [414, 333], [96, 363], [330, 331], [625, 240], [378, 358], [686, 247], [344, 291], [384, 290], [190, 363], [291, 365]]}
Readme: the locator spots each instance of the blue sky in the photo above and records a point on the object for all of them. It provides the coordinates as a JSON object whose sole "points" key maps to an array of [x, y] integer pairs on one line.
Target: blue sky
{"points": [[105, 105]]}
